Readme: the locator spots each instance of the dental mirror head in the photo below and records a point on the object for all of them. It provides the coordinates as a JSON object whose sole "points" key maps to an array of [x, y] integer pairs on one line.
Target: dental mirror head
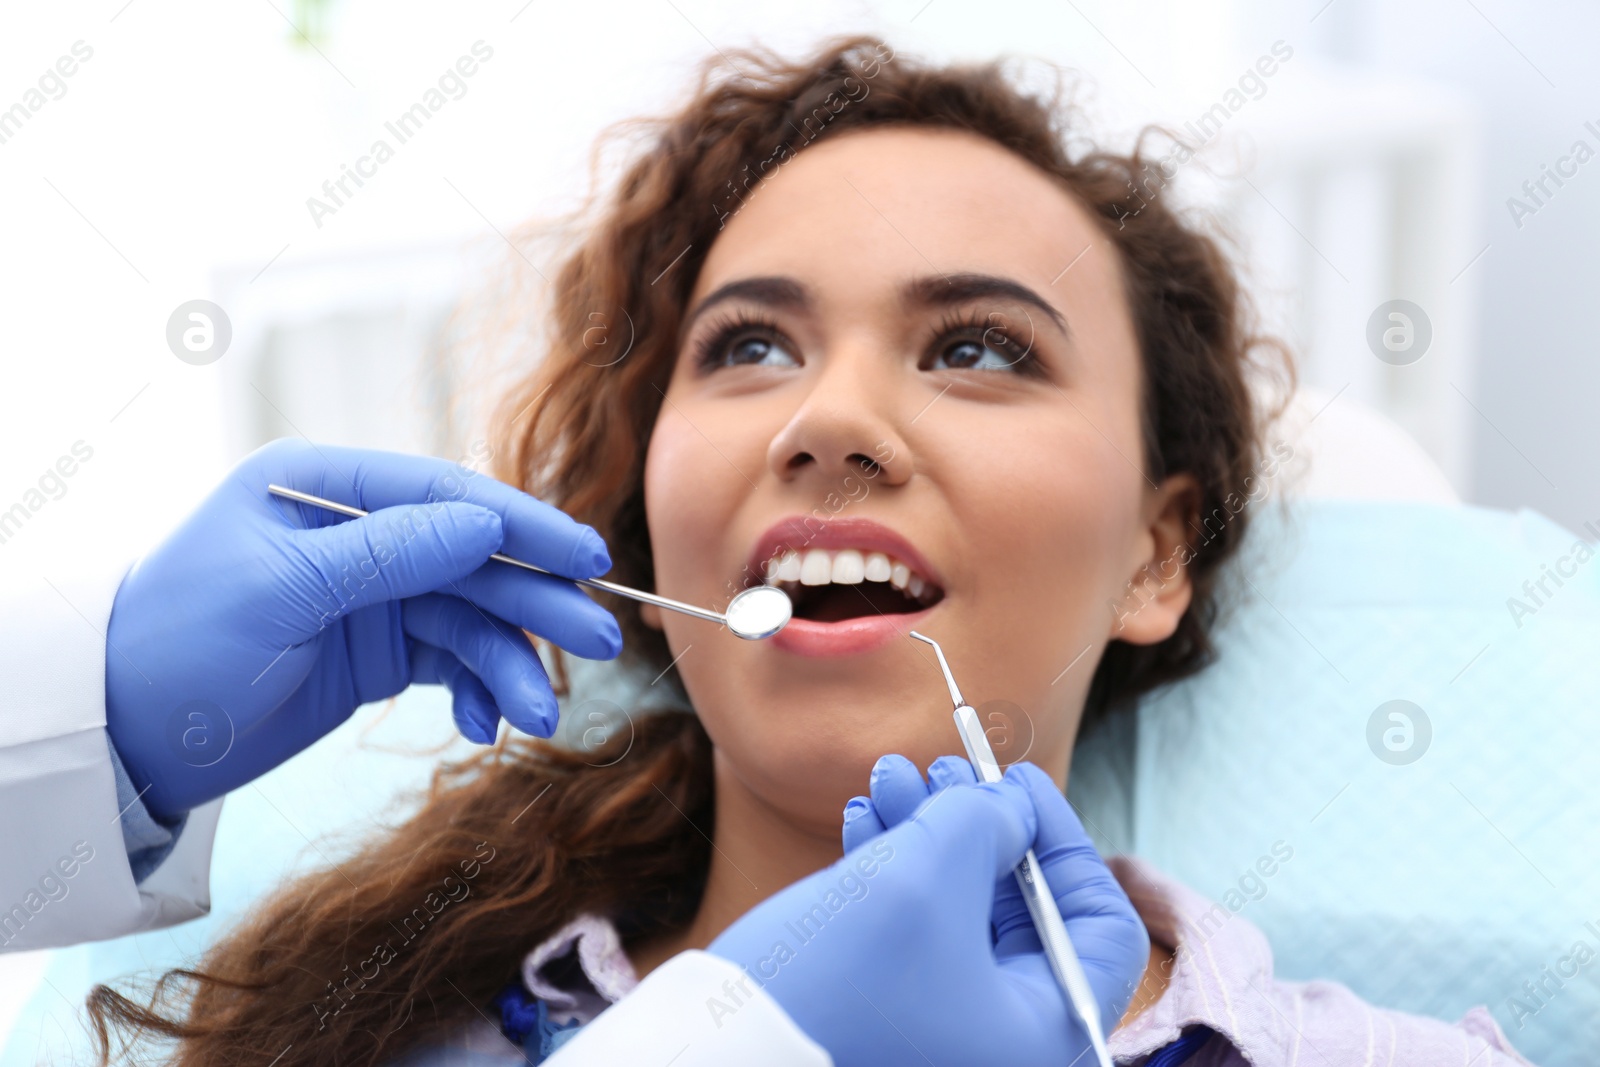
{"points": [[759, 612]]}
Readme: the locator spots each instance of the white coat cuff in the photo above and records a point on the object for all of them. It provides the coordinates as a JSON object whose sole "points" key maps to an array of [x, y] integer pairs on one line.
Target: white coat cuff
{"points": [[148, 840], [66, 875]]}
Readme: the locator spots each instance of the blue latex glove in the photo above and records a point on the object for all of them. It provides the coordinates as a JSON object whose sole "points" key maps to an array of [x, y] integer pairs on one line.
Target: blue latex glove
{"points": [[921, 960], [1084, 886], [261, 624]]}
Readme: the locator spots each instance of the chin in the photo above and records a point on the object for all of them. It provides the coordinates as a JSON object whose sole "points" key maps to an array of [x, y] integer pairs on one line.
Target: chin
{"points": [[810, 759]]}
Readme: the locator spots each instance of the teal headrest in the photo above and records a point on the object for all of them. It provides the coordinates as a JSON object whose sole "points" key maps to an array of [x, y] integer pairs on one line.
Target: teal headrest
{"points": [[1405, 704]]}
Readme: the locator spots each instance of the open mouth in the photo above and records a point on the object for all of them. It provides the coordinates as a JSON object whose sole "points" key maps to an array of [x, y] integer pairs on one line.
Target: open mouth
{"points": [[832, 585]]}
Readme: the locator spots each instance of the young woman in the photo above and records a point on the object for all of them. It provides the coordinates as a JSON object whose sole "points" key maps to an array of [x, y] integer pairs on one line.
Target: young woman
{"points": [[900, 348]]}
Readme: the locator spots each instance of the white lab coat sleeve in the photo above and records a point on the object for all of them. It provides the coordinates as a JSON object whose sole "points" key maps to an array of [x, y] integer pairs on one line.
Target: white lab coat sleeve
{"points": [[695, 1010], [65, 876]]}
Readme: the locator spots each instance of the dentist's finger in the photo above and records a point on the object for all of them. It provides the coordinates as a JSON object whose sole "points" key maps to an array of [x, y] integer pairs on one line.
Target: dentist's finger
{"points": [[471, 704], [553, 608], [983, 829], [1110, 939], [1073, 867], [861, 823], [895, 779], [337, 570], [897, 788], [494, 650], [534, 531], [443, 524], [947, 771]]}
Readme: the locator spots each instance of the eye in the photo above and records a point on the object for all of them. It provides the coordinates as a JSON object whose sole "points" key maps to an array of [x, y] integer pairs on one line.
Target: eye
{"points": [[745, 342], [972, 355], [982, 343]]}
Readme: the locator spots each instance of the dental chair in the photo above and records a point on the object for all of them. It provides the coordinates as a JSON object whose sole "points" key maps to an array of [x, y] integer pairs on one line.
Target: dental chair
{"points": [[1404, 699]]}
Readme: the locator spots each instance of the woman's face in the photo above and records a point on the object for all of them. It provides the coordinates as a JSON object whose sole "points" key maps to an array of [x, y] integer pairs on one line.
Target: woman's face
{"points": [[909, 375]]}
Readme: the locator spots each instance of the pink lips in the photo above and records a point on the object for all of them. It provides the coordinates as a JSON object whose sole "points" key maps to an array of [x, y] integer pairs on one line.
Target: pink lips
{"points": [[848, 637]]}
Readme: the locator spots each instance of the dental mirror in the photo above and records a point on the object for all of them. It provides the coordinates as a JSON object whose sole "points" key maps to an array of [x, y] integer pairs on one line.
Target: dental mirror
{"points": [[753, 614], [759, 612]]}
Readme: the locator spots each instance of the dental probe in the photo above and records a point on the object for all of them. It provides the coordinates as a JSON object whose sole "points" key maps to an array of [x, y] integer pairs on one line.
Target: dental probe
{"points": [[753, 614], [1035, 890]]}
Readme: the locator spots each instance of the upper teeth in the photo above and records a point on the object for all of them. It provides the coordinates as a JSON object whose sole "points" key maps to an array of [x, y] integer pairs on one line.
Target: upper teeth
{"points": [[846, 566]]}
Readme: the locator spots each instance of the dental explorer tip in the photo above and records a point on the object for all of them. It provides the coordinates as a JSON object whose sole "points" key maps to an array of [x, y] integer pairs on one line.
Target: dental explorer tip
{"points": [[949, 679]]}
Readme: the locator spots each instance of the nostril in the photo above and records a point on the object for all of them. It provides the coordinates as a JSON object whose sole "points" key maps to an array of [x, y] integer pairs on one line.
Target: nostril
{"points": [[800, 459], [869, 466]]}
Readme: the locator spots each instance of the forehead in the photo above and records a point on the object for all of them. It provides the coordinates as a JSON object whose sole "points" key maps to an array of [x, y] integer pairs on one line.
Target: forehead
{"points": [[857, 214]]}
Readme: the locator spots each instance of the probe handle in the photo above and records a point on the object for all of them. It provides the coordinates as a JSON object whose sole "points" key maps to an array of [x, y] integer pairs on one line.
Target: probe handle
{"points": [[1064, 963]]}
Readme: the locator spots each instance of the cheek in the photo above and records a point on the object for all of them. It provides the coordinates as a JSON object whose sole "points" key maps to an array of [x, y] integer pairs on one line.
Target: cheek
{"points": [[690, 494], [1072, 515], [1052, 518]]}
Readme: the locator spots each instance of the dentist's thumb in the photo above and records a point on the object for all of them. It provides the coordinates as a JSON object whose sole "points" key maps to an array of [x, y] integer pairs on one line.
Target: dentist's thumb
{"points": [[982, 830]]}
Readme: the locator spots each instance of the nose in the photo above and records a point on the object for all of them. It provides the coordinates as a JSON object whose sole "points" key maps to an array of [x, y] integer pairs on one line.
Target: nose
{"points": [[846, 425]]}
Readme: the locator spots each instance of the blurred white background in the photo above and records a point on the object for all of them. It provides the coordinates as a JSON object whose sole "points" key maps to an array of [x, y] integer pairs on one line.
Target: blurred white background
{"points": [[1375, 164]]}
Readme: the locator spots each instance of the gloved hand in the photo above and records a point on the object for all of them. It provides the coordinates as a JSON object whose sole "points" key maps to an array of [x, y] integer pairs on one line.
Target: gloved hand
{"points": [[261, 624], [1082, 883], [903, 951]]}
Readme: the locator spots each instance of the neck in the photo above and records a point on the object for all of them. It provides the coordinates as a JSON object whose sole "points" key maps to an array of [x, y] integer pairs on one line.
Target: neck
{"points": [[756, 851]]}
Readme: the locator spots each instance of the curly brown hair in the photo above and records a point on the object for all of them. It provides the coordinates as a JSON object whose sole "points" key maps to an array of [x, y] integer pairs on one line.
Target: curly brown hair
{"points": [[305, 979]]}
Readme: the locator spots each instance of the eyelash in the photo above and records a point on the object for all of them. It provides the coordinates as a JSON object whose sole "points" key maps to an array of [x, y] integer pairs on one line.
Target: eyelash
{"points": [[977, 326], [713, 346]]}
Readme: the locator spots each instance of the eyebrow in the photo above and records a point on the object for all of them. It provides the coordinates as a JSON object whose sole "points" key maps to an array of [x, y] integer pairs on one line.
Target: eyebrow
{"points": [[927, 291], [948, 289], [773, 291]]}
